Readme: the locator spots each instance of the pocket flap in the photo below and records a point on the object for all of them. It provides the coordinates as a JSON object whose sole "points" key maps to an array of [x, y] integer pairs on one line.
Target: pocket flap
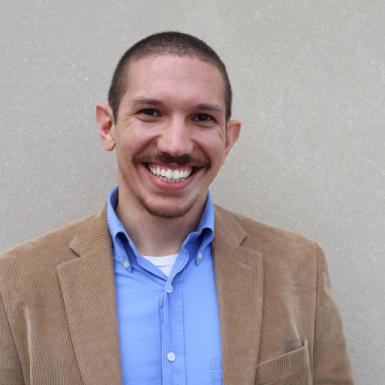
{"points": [[284, 366]]}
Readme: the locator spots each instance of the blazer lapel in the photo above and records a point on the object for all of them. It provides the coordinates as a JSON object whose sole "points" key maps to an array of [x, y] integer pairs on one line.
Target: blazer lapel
{"points": [[239, 279], [87, 285]]}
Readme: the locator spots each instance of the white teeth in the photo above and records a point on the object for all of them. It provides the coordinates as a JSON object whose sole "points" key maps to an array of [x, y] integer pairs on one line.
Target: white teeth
{"points": [[169, 174]]}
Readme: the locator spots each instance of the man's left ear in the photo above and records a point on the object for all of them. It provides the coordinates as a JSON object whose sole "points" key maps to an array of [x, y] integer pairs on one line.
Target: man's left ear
{"points": [[232, 134]]}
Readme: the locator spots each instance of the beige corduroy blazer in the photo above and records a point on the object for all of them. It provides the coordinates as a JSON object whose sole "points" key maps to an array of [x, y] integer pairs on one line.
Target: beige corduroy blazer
{"points": [[279, 322]]}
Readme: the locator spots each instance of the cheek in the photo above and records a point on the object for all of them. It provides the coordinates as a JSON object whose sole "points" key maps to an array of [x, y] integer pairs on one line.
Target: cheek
{"points": [[214, 147], [134, 142]]}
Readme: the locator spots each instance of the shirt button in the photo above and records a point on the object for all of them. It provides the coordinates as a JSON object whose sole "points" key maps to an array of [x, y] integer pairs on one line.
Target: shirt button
{"points": [[126, 264], [199, 255], [171, 356], [169, 289]]}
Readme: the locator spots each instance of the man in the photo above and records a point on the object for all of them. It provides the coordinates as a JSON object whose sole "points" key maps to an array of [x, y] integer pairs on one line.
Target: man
{"points": [[161, 287]]}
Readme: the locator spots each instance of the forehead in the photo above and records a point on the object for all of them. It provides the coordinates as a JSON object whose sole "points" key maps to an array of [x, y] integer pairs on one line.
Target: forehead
{"points": [[178, 76]]}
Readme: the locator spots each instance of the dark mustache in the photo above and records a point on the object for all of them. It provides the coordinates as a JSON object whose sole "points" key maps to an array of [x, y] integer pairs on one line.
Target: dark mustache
{"points": [[181, 160]]}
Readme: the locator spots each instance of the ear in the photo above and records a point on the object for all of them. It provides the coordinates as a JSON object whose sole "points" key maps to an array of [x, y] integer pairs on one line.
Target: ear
{"points": [[233, 129], [105, 122]]}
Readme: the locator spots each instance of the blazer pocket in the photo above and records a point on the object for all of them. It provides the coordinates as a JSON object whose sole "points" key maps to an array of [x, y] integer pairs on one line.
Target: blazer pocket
{"points": [[291, 368]]}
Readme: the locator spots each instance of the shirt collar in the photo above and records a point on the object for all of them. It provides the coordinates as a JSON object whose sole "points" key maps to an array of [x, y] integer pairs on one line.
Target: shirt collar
{"points": [[200, 239], [207, 217], [114, 224], [204, 231]]}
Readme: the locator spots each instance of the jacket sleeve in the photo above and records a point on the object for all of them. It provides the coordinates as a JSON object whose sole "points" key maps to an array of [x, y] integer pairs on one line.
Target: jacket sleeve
{"points": [[331, 362], [10, 369]]}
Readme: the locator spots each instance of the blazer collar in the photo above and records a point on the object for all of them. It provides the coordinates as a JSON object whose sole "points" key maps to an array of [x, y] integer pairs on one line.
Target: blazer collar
{"points": [[239, 279], [88, 289]]}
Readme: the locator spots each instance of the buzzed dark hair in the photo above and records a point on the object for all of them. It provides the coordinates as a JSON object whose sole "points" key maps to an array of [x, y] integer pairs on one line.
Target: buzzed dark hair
{"points": [[173, 43]]}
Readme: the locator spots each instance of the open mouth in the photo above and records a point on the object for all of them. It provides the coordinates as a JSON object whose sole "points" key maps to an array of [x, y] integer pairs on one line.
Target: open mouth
{"points": [[172, 175]]}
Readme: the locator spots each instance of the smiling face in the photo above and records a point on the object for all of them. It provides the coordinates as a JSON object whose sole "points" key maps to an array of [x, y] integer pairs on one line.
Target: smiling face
{"points": [[170, 135]]}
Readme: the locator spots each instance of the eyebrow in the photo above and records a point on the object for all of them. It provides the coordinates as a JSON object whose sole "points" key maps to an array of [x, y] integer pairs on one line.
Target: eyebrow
{"points": [[143, 100], [157, 102], [210, 107]]}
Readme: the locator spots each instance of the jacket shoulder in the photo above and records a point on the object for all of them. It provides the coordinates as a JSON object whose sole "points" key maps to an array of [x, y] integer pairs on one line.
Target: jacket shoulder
{"points": [[52, 239], [272, 241], [40, 255]]}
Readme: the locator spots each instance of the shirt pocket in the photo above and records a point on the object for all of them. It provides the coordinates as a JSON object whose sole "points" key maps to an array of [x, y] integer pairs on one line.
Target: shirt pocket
{"points": [[292, 368]]}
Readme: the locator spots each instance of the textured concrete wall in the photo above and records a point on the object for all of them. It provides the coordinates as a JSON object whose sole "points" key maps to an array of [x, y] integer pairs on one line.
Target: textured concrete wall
{"points": [[308, 80]]}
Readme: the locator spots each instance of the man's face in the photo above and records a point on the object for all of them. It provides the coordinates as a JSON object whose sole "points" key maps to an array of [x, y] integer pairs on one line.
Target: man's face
{"points": [[171, 136]]}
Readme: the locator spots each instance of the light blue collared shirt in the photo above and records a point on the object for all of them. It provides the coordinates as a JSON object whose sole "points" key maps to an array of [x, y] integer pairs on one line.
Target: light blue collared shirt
{"points": [[168, 326]]}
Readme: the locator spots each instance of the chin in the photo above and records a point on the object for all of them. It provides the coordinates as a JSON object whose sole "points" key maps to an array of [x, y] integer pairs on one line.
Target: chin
{"points": [[167, 211]]}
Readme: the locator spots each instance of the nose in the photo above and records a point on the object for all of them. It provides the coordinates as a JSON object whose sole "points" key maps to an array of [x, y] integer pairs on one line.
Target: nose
{"points": [[175, 138]]}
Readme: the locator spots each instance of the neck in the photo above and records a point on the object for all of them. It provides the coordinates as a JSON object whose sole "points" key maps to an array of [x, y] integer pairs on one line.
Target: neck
{"points": [[155, 235]]}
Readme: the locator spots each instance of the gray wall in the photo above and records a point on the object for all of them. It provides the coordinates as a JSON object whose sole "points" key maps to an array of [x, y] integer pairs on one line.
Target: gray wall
{"points": [[309, 87]]}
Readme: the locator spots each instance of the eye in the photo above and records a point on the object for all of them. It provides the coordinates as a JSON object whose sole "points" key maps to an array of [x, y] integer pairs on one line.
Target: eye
{"points": [[149, 112], [203, 118]]}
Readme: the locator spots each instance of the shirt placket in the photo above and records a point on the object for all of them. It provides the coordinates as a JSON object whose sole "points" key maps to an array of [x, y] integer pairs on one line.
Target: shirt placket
{"points": [[173, 346]]}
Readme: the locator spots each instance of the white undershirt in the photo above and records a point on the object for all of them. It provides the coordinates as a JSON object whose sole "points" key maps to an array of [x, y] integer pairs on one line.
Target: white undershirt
{"points": [[164, 263]]}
